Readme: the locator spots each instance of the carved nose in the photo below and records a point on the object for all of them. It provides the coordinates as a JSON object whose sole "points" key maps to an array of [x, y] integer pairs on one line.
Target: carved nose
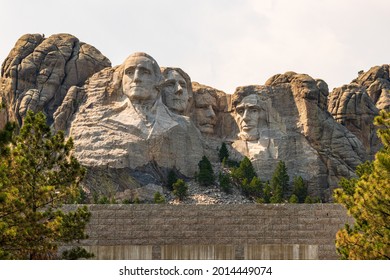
{"points": [[246, 115], [137, 77], [179, 89], [210, 112]]}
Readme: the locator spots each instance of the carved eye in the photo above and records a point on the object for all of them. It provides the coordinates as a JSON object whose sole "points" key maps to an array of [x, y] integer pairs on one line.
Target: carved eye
{"points": [[145, 71], [170, 84], [240, 111], [130, 71], [254, 110], [182, 84]]}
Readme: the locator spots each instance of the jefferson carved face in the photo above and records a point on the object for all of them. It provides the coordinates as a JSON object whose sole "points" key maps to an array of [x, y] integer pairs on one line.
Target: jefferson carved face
{"points": [[247, 117], [175, 92], [140, 79], [204, 112]]}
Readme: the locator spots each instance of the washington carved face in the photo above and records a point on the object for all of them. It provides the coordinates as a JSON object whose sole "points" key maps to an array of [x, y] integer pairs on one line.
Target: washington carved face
{"points": [[175, 92], [247, 117], [140, 79], [204, 112]]}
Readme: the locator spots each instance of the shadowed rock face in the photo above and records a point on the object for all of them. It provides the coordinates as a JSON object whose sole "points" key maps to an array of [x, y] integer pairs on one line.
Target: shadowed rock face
{"points": [[210, 111], [355, 105], [39, 71], [134, 122]]}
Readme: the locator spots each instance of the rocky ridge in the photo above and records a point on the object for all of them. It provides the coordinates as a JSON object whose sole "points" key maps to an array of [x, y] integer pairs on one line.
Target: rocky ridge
{"points": [[39, 71], [356, 104], [129, 143]]}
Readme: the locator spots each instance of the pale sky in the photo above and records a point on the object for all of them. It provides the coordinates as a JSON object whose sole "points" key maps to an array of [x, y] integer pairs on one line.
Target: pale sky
{"points": [[220, 43]]}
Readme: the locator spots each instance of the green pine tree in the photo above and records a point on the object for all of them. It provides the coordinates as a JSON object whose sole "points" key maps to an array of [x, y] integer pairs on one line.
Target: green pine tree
{"points": [[223, 153], [244, 171], [277, 194], [206, 174], [367, 199], [225, 182], [267, 193], [6, 138], [180, 189], [280, 181], [158, 198], [254, 188], [37, 176], [299, 189]]}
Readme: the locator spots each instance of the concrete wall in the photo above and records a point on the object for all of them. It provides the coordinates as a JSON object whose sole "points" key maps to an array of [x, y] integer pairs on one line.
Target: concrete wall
{"points": [[250, 231]]}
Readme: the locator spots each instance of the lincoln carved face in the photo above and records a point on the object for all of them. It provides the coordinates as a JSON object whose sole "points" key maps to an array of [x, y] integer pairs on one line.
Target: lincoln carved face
{"points": [[141, 78], [247, 117], [175, 92]]}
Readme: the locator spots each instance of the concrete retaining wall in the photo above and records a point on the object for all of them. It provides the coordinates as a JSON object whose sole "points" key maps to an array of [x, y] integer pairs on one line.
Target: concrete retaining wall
{"points": [[249, 231]]}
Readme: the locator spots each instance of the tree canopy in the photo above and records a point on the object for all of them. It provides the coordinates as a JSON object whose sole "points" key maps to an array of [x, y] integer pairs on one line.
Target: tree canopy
{"points": [[205, 176], [37, 176], [280, 178], [299, 190], [367, 199], [223, 152], [180, 189], [245, 171]]}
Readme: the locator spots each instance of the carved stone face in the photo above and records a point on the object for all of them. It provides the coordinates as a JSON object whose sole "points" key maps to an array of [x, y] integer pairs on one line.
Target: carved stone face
{"points": [[175, 92], [247, 117], [204, 112], [140, 80]]}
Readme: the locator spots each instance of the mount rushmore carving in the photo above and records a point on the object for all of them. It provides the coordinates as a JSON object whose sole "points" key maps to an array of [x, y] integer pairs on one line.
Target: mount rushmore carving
{"points": [[138, 120]]}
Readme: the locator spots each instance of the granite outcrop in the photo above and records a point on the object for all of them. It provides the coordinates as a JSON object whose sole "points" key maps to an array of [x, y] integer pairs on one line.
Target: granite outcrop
{"points": [[133, 123], [38, 72]]}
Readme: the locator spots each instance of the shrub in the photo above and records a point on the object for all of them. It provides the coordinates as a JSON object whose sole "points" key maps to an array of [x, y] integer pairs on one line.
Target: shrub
{"points": [[158, 198], [225, 182], [293, 199], [180, 189], [76, 253]]}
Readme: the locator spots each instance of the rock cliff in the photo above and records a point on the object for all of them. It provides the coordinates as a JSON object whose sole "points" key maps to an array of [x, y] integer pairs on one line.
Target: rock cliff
{"points": [[133, 123], [294, 126], [356, 104], [39, 71], [114, 128]]}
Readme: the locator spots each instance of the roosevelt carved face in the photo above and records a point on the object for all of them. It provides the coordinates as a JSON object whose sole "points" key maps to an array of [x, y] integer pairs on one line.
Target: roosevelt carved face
{"points": [[247, 117], [175, 92], [204, 112], [140, 79]]}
